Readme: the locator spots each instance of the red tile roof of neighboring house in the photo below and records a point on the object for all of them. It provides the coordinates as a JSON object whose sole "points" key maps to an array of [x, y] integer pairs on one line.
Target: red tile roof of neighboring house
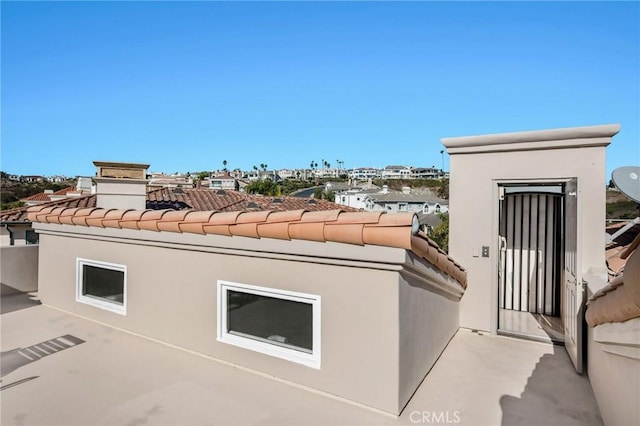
{"points": [[196, 199], [227, 200], [20, 214], [44, 196], [14, 215], [361, 228]]}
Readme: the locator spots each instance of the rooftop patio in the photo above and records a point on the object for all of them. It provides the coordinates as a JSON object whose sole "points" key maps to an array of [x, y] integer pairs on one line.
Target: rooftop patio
{"points": [[73, 371]]}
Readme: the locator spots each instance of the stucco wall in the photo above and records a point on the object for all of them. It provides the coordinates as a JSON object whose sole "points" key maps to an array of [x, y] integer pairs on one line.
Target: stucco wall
{"points": [[615, 378], [473, 213], [427, 322], [171, 296], [19, 268]]}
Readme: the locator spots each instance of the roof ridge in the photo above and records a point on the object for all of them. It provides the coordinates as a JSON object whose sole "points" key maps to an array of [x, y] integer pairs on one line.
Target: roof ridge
{"points": [[358, 228]]}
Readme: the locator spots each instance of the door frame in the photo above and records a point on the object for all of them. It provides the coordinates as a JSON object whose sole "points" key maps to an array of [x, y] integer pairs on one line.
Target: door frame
{"points": [[495, 241]]}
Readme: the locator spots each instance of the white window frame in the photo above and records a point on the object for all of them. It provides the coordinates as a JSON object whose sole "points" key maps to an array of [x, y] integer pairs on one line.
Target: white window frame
{"points": [[308, 359], [96, 301]]}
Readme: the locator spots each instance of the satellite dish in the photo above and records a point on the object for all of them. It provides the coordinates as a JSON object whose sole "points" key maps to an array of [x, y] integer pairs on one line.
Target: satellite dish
{"points": [[627, 180]]}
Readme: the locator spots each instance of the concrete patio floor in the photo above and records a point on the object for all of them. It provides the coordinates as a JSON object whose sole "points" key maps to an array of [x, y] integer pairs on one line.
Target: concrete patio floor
{"points": [[85, 373]]}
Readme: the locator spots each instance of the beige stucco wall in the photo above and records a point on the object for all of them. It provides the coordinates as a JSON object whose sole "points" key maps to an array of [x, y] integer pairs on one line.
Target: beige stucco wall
{"points": [[171, 296], [19, 268], [427, 322], [474, 202], [121, 193], [615, 377]]}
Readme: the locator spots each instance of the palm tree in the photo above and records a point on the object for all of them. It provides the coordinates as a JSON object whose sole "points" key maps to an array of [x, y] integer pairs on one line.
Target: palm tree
{"points": [[224, 164]]}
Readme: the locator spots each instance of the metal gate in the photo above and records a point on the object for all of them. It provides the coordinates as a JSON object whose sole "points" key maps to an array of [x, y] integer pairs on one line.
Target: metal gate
{"points": [[531, 250]]}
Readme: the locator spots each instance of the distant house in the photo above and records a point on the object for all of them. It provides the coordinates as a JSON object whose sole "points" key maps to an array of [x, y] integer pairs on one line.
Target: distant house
{"points": [[161, 180], [356, 198], [396, 172], [57, 179], [425, 173], [288, 174], [364, 173], [226, 182], [32, 178], [405, 202]]}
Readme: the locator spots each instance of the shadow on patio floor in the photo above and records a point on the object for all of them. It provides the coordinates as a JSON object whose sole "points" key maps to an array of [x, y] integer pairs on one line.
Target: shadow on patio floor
{"points": [[549, 394], [12, 300]]}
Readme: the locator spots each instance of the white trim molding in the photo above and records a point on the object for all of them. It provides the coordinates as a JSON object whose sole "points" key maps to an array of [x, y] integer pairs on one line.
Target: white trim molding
{"points": [[98, 302], [309, 359]]}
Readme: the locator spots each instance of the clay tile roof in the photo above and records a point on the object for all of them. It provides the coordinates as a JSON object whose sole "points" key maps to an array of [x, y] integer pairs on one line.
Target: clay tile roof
{"points": [[44, 196], [204, 199], [359, 228], [14, 215]]}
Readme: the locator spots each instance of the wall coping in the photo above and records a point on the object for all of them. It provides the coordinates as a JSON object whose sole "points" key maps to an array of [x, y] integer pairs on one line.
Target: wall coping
{"points": [[562, 138]]}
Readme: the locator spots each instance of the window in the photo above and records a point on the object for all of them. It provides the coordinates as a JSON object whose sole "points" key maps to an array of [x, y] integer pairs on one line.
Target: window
{"points": [[102, 285], [402, 207], [279, 323], [31, 237], [438, 208]]}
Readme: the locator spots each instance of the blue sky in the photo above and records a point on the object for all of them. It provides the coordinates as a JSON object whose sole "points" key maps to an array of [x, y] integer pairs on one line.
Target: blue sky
{"points": [[184, 86]]}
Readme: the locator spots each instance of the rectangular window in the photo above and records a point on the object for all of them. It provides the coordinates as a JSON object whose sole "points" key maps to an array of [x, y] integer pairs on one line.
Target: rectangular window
{"points": [[31, 237], [279, 323], [102, 285]]}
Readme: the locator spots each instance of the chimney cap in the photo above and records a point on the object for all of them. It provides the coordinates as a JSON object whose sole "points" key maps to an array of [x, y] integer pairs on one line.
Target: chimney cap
{"points": [[121, 171], [121, 165]]}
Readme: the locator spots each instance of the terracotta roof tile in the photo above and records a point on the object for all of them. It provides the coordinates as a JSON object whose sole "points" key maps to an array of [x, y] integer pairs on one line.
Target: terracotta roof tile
{"points": [[321, 216], [96, 217], [225, 218], [307, 230], [204, 199], [81, 214], [360, 217], [45, 196], [359, 228], [171, 220]]}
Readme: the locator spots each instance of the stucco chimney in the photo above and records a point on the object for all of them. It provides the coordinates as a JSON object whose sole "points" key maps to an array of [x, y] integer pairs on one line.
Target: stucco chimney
{"points": [[121, 185], [84, 184]]}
